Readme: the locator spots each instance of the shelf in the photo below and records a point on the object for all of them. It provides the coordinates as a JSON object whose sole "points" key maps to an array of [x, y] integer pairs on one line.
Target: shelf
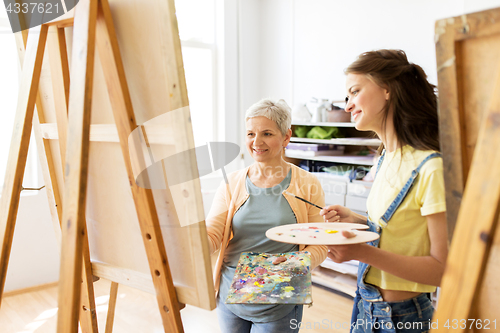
{"points": [[342, 141], [349, 267], [334, 280], [347, 159], [308, 123]]}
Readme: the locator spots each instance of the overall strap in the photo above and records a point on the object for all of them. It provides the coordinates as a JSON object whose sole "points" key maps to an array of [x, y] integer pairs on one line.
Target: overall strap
{"points": [[380, 161], [406, 188]]}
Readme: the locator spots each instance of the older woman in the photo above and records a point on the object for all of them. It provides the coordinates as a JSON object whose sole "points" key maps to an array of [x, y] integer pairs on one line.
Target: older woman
{"points": [[253, 202]]}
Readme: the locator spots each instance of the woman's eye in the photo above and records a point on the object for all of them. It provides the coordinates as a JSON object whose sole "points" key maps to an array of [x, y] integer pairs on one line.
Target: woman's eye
{"points": [[268, 134], [249, 134], [355, 92]]}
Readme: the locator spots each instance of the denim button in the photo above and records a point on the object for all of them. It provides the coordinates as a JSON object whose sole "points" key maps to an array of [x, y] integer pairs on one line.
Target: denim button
{"points": [[386, 309]]}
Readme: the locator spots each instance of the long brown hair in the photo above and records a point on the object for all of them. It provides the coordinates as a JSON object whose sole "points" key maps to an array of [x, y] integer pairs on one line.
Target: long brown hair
{"points": [[412, 98]]}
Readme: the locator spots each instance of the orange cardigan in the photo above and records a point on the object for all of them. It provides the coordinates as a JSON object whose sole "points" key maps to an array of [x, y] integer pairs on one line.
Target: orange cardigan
{"points": [[229, 199]]}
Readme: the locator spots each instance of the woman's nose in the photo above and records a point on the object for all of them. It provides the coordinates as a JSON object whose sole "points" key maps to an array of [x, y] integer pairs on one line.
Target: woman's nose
{"points": [[257, 139], [349, 107]]}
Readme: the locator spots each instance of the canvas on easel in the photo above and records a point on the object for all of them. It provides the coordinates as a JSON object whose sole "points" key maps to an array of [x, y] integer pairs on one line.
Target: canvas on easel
{"points": [[468, 65], [143, 79]]}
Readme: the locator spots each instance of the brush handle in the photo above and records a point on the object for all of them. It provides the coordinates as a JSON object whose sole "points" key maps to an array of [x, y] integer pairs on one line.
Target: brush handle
{"points": [[308, 202]]}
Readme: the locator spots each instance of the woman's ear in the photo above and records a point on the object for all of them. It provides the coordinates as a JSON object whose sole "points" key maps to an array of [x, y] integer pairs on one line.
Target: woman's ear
{"points": [[386, 94], [288, 136]]}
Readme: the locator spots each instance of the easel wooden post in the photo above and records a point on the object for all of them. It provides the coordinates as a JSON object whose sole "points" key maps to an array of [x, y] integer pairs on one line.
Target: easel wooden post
{"points": [[481, 204], [89, 15], [468, 50], [60, 74], [75, 183]]}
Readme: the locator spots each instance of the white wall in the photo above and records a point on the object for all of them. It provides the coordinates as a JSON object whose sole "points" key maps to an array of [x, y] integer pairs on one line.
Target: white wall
{"points": [[34, 258], [277, 42], [305, 45]]}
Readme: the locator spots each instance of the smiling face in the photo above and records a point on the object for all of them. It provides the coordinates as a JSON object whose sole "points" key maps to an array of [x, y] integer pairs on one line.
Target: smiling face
{"points": [[366, 101], [264, 140]]}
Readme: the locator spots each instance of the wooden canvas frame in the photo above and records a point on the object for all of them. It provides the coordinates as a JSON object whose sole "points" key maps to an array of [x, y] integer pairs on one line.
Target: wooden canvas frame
{"points": [[459, 40], [52, 114], [468, 64]]}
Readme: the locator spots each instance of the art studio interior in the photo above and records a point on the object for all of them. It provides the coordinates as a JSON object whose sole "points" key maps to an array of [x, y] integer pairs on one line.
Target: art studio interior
{"points": [[159, 160]]}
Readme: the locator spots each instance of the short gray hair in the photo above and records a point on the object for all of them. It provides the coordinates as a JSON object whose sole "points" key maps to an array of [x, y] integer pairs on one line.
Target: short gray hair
{"points": [[277, 111]]}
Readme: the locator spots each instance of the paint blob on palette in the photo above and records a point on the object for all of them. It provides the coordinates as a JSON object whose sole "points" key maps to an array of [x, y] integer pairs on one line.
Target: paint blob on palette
{"points": [[321, 233], [263, 278]]}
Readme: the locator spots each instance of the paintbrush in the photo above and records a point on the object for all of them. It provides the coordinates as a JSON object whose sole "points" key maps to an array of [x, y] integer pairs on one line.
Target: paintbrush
{"points": [[293, 195]]}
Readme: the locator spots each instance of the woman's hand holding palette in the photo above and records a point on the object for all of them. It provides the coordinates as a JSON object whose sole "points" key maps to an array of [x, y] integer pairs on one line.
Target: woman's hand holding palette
{"points": [[320, 233]]}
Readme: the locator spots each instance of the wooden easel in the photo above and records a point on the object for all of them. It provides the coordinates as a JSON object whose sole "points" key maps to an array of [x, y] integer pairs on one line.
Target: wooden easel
{"points": [[93, 25], [468, 53]]}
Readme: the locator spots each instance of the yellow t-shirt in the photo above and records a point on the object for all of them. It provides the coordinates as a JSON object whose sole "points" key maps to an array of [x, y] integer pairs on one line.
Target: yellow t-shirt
{"points": [[406, 232]]}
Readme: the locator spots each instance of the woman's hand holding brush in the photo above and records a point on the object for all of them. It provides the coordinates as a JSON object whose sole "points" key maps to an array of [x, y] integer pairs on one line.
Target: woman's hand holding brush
{"points": [[336, 213]]}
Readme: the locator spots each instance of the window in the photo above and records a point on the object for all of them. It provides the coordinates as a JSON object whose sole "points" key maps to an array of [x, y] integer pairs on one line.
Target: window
{"points": [[196, 20], [9, 84]]}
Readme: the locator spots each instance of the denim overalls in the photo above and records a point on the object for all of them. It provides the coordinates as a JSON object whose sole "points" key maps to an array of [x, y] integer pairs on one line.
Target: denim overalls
{"points": [[370, 312]]}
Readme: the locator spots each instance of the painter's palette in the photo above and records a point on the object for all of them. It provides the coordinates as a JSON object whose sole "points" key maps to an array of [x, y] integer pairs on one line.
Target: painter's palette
{"points": [[320, 233], [258, 281]]}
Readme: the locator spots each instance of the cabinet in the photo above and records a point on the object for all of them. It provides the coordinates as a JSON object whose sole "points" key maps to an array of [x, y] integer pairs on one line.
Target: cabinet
{"points": [[339, 190], [353, 139]]}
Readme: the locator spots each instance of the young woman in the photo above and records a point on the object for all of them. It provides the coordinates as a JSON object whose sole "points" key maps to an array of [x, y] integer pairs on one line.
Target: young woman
{"points": [[254, 202], [406, 206]]}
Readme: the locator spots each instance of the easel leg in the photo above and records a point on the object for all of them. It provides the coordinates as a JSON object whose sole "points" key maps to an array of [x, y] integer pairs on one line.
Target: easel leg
{"points": [[88, 314], [73, 226], [60, 84], [111, 307], [146, 210], [49, 174], [19, 146], [59, 69]]}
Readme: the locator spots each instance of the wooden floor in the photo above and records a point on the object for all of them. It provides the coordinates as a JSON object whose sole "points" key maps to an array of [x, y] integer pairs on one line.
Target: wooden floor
{"points": [[136, 312]]}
